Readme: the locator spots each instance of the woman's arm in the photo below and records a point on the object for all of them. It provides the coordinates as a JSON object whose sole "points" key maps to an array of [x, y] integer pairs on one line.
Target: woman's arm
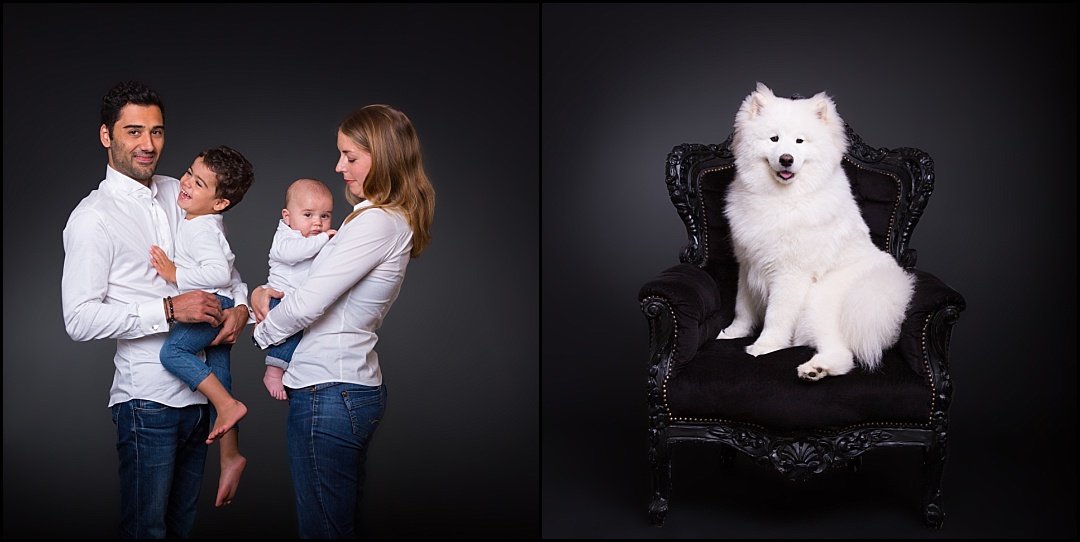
{"points": [[357, 248]]}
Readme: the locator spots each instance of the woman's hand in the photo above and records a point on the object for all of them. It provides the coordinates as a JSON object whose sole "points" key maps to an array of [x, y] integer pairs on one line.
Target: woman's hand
{"points": [[260, 301]]}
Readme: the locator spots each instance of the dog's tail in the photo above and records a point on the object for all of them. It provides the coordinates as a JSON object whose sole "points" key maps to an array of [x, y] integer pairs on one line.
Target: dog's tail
{"points": [[873, 311]]}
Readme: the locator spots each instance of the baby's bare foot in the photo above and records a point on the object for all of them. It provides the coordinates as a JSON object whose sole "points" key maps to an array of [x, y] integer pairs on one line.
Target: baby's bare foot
{"points": [[272, 381]]}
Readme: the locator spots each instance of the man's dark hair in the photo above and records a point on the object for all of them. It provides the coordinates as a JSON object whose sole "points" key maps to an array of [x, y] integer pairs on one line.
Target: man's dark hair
{"points": [[123, 93], [234, 173]]}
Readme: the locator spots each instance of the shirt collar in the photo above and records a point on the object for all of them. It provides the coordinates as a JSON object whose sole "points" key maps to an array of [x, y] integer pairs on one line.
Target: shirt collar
{"points": [[214, 217], [362, 204], [123, 184]]}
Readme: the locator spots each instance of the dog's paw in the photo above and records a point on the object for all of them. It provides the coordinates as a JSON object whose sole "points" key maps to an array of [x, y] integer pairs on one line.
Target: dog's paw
{"points": [[826, 364], [726, 335], [758, 349], [734, 331], [811, 372]]}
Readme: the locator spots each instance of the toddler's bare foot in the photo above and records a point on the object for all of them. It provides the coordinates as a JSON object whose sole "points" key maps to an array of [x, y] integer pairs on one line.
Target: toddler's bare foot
{"points": [[231, 468], [272, 381], [227, 416]]}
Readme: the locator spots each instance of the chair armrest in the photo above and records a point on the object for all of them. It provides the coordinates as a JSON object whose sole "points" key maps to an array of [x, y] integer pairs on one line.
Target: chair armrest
{"points": [[925, 333], [683, 306]]}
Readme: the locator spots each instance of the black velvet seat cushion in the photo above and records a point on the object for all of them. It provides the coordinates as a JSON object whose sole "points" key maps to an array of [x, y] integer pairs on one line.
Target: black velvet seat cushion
{"points": [[724, 384]]}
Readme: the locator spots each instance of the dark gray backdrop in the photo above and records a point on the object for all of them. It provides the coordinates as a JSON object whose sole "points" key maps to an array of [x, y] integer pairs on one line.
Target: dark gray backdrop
{"points": [[988, 90], [457, 454]]}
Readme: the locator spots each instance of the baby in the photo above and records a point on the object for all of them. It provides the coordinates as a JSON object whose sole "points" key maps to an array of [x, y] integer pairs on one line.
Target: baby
{"points": [[303, 230]]}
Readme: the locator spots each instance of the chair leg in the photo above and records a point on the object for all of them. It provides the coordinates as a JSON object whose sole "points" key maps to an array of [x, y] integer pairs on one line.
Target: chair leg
{"points": [[660, 457], [933, 471], [855, 464]]}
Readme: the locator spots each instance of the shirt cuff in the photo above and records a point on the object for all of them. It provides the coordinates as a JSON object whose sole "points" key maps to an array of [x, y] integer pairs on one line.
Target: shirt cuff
{"points": [[152, 317], [259, 333], [251, 315]]}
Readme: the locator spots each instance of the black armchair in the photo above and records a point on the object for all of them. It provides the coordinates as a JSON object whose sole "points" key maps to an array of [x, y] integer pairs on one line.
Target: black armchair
{"points": [[704, 390]]}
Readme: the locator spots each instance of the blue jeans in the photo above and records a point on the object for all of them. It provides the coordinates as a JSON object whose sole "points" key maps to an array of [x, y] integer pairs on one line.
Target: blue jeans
{"points": [[279, 355], [179, 354], [329, 431], [162, 453]]}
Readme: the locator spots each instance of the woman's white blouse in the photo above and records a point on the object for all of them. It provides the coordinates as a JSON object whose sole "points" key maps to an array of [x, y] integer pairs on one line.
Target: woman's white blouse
{"points": [[349, 289]]}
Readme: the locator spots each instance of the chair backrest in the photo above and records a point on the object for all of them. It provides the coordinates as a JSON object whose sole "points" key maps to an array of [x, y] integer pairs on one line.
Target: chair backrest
{"points": [[892, 188]]}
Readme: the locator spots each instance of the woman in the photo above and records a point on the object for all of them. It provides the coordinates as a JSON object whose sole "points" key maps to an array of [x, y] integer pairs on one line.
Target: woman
{"points": [[351, 285]]}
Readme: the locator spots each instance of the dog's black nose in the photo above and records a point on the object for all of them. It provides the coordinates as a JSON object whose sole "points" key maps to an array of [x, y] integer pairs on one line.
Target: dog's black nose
{"points": [[786, 160]]}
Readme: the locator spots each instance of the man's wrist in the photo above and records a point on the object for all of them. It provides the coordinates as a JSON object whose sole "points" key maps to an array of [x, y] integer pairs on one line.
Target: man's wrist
{"points": [[248, 312], [170, 313]]}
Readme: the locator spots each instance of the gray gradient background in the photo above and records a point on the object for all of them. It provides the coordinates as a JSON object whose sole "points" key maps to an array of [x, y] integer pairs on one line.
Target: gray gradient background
{"points": [[458, 451], [988, 90]]}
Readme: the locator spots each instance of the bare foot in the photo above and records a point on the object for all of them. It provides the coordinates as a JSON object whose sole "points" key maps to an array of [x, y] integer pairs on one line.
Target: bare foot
{"points": [[231, 468], [272, 381], [227, 416]]}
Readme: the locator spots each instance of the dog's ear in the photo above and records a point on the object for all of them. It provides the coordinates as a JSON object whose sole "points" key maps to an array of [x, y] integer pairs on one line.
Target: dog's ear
{"points": [[824, 107], [757, 100]]}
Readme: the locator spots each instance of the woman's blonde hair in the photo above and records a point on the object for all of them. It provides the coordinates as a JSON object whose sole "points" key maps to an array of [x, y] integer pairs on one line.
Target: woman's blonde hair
{"points": [[396, 178]]}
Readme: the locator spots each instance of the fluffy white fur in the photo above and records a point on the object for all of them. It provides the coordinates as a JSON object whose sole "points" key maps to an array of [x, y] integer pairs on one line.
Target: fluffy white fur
{"points": [[807, 266]]}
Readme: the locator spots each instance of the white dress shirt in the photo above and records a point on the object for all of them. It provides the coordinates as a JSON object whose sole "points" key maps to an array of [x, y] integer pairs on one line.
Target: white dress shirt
{"points": [[291, 255], [350, 287], [109, 289]]}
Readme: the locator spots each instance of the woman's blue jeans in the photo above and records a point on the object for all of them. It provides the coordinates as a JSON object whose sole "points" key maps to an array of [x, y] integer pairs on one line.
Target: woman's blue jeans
{"points": [[162, 453], [329, 431]]}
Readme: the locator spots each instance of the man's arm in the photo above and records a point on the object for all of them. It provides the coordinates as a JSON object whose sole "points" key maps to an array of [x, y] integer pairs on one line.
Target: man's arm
{"points": [[198, 306], [85, 286]]}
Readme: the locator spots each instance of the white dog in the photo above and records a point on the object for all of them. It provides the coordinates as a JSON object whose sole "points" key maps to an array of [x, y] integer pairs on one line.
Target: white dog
{"points": [[807, 265]]}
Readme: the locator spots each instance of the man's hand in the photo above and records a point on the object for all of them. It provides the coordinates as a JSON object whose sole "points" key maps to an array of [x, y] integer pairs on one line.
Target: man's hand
{"points": [[198, 306], [260, 301], [235, 320]]}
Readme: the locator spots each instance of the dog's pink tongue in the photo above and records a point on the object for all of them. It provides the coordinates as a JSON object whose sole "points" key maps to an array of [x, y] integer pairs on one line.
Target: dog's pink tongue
{"points": [[786, 175]]}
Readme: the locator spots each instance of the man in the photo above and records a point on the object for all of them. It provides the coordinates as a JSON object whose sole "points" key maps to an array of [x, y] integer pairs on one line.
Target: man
{"points": [[110, 290]]}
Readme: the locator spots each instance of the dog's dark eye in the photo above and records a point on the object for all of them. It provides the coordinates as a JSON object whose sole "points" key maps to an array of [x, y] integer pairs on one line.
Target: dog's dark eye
{"points": [[798, 140], [774, 139]]}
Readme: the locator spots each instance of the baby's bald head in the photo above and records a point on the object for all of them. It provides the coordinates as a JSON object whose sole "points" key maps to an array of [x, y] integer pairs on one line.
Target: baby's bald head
{"points": [[309, 205], [311, 187]]}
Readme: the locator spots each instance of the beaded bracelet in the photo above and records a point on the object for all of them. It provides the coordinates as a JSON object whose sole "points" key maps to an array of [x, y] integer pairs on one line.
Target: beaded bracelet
{"points": [[172, 315]]}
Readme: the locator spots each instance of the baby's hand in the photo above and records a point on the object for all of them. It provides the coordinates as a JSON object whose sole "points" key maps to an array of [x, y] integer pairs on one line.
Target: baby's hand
{"points": [[162, 263], [331, 233]]}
